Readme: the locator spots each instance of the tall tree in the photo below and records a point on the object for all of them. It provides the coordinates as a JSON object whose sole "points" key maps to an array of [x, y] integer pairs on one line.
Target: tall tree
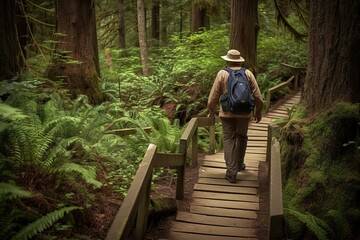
{"points": [[165, 19], [244, 30], [155, 21], [333, 71], [122, 29], [142, 36], [76, 58], [199, 16], [10, 51]]}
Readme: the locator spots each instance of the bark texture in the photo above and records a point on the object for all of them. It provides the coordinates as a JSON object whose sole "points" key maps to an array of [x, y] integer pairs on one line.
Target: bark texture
{"points": [[244, 30], [333, 66], [155, 20], [199, 18], [122, 29], [142, 36], [77, 40], [10, 52]]}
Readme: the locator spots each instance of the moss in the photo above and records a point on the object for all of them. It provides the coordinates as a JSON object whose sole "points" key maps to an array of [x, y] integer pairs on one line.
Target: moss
{"points": [[321, 172]]}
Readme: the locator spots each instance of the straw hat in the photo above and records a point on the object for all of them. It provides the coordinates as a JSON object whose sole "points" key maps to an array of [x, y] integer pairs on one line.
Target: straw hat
{"points": [[233, 56]]}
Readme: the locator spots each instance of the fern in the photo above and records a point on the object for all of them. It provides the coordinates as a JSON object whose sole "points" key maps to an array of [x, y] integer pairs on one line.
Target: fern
{"points": [[10, 191], [87, 173], [317, 226], [343, 229], [43, 223]]}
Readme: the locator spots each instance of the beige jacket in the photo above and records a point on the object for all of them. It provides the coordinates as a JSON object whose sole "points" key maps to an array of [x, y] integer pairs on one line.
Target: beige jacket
{"points": [[220, 87]]}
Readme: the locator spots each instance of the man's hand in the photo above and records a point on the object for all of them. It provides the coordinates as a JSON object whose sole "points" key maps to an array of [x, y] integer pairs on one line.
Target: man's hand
{"points": [[257, 117]]}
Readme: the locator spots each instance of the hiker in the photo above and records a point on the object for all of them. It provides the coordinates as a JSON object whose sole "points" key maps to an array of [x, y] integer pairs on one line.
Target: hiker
{"points": [[235, 126]]}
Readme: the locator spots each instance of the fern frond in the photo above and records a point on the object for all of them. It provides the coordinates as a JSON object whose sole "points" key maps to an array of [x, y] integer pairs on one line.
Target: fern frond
{"points": [[9, 113], [43, 223], [343, 228], [86, 172], [66, 126], [10, 191], [317, 226]]}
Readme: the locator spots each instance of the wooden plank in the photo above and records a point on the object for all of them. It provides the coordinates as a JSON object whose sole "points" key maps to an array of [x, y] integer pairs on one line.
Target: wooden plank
{"points": [[225, 196], [256, 143], [225, 204], [224, 182], [277, 116], [257, 138], [215, 220], [256, 150], [182, 236], [224, 189], [248, 156], [246, 172], [213, 230], [217, 164], [213, 211], [241, 176], [256, 133], [258, 127], [169, 160]]}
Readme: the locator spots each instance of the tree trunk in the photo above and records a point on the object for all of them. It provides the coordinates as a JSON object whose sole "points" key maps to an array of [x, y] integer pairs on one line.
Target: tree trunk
{"points": [[164, 21], [244, 30], [10, 52], [155, 23], [199, 19], [76, 56], [142, 36], [122, 29], [333, 60]]}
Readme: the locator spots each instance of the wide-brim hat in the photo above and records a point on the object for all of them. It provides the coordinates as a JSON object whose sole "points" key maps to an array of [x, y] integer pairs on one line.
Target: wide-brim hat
{"points": [[233, 56]]}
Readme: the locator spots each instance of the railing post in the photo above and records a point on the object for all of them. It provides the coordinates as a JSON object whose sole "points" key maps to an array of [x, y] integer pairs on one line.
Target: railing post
{"points": [[276, 212], [143, 211], [268, 101], [194, 148], [181, 171]]}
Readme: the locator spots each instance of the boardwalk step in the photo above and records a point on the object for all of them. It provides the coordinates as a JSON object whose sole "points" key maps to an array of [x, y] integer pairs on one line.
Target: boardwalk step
{"points": [[213, 230], [224, 182], [225, 204], [224, 189], [249, 165], [191, 236], [225, 196], [214, 220], [224, 212]]}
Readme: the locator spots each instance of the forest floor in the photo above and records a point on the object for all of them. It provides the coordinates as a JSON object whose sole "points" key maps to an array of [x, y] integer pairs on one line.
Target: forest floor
{"points": [[160, 226]]}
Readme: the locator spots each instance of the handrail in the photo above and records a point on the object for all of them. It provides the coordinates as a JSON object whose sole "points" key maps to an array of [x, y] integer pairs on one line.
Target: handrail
{"points": [[136, 203], [294, 78], [276, 212]]}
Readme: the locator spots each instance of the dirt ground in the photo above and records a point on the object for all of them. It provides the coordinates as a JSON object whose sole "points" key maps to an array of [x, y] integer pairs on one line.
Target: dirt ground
{"points": [[159, 226]]}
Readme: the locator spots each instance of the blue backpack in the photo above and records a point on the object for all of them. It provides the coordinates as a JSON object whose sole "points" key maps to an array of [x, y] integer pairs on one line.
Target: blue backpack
{"points": [[239, 98]]}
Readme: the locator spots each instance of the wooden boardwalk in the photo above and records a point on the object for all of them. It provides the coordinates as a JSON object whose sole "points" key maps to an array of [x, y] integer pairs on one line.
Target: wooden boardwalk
{"points": [[220, 210]]}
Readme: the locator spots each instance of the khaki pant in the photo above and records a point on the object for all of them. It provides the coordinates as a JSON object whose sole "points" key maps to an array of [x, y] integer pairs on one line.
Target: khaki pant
{"points": [[235, 142]]}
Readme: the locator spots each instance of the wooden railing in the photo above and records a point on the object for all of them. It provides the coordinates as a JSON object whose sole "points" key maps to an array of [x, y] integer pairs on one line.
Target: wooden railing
{"points": [[294, 79], [135, 207], [276, 212]]}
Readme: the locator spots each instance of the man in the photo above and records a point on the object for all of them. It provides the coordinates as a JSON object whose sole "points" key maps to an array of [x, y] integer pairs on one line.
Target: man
{"points": [[235, 127]]}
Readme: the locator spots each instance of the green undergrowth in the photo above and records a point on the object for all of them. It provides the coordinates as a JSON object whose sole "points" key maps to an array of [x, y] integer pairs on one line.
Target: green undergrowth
{"points": [[321, 180]]}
